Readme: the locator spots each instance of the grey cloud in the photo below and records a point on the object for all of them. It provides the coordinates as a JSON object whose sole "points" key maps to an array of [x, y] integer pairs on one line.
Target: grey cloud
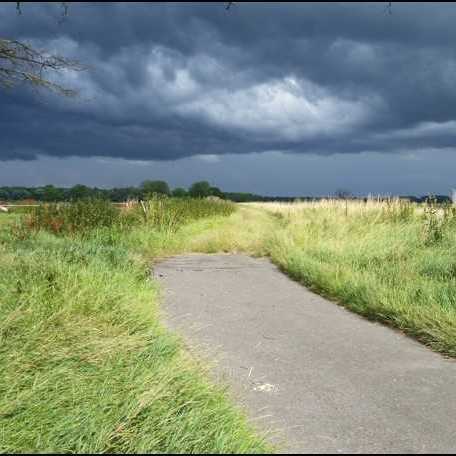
{"points": [[169, 81]]}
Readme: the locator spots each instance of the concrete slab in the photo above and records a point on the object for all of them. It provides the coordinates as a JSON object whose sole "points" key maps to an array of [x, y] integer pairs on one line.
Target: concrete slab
{"points": [[323, 379]]}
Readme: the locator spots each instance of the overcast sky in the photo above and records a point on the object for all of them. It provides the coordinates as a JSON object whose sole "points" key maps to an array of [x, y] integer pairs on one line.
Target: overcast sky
{"points": [[289, 99]]}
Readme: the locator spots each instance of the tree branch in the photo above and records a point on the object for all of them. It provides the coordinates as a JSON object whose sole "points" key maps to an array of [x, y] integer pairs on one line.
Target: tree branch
{"points": [[19, 62]]}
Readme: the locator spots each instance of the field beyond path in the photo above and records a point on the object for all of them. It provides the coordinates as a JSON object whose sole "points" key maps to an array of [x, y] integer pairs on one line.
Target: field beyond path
{"points": [[324, 379]]}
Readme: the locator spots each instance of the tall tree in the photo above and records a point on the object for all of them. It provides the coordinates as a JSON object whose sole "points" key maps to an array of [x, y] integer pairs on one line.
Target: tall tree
{"points": [[200, 189], [150, 187], [51, 193], [215, 191], [179, 192], [79, 192]]}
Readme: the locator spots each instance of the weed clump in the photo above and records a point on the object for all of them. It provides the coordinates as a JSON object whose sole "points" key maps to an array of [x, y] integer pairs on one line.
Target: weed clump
{"points": [[437, 221], [75, 217], [397, 210]]}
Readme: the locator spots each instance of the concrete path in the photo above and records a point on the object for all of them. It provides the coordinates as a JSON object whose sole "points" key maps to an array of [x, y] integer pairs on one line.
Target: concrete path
{"points": [[328, 380]]}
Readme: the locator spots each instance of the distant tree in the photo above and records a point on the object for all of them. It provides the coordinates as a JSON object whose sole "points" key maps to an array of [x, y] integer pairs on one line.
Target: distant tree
{"points": [[4, 194], [79, 192], [100, 193], [150, 187], [36, 193], [51, 193], [200, 189], [124, 194], [242, 197], [215, 191], [343, 193], [179, 192], [19, 193]]}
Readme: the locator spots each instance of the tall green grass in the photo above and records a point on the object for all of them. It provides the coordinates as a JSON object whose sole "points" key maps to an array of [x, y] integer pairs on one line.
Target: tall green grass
{"points": [[85, 364], [169, 214]]}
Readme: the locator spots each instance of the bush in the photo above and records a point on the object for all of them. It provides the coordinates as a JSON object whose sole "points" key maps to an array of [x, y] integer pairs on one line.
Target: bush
{"points": [[79, 216], [200, 189], [149, 187]]}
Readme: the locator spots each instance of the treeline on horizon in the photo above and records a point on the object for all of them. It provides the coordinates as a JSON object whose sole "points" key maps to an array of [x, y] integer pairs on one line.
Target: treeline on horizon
{"points": [[51, 193], [200, 189]]}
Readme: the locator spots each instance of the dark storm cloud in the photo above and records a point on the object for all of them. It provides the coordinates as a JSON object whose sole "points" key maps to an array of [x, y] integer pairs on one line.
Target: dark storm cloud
{"points": [[169, 81]]}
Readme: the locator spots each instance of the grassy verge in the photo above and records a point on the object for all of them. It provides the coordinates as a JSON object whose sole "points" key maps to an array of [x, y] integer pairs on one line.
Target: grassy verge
{"points": [[85, 364], [393, 265]]}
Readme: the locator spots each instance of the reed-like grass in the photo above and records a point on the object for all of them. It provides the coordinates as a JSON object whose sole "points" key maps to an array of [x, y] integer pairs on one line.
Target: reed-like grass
{"points": [[86, 366], [169, 214]]}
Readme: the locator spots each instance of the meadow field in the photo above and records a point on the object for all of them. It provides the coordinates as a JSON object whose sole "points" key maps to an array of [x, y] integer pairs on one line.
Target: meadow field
{"points": [[87, 365]]}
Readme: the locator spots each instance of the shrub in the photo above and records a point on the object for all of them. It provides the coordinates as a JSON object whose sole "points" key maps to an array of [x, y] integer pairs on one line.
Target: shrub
{"points": [[79, 216], [149, 187], [200, 189]]}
